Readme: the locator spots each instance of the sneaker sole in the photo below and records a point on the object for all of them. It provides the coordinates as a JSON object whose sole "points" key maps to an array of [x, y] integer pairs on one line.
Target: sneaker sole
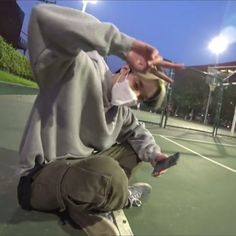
{"points": [[95, 225]]}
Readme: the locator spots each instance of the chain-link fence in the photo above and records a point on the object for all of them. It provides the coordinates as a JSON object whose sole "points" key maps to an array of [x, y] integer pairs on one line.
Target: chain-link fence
{"points": [[202, 98]]}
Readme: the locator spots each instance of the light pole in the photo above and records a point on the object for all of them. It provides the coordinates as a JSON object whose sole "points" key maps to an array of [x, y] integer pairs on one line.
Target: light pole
{"points": [[217, 46], [212, 84], [166, 111], [85, 3]]}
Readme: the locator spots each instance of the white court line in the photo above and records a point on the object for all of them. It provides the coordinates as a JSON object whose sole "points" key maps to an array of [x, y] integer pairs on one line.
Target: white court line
{"points": [[198, 154], [199, 141]]}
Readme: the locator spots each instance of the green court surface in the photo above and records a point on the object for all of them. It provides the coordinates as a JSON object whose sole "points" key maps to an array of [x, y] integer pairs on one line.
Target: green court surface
{"points": [[195, 197]]}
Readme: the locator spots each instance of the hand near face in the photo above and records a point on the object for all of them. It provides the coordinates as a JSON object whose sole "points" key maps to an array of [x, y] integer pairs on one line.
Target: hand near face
{"points": [[143, 57]]}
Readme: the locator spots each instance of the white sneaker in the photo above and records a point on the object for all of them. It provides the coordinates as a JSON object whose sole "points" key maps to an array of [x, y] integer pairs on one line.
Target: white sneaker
{"points": [[101, 224], [136, 192]]}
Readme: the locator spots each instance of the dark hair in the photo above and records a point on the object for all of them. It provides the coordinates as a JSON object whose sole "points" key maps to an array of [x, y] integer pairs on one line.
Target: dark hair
{"points": [[118, 71]]}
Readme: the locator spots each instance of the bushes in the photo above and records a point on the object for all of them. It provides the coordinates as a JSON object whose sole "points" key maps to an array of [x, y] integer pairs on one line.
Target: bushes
{"points": [[14, 62]]}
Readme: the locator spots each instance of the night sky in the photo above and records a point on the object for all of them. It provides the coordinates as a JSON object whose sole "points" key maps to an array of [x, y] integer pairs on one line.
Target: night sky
{"points": [[180, 30]]}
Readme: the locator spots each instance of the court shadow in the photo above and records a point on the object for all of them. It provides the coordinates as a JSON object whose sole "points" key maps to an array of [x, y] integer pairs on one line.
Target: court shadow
{"points": [[13, 218], [13, 89]]}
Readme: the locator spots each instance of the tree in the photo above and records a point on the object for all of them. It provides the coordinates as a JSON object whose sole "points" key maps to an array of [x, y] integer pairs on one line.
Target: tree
{"points": [[189, 94], [229, 102]]}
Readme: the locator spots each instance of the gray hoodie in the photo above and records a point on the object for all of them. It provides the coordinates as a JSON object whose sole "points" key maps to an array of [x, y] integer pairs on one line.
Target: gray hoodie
{"points": [[72, 115]]}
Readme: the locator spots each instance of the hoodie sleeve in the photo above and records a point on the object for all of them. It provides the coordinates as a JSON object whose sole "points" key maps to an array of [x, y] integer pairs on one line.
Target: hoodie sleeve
{"points": [[66, 31], [138, 137]]}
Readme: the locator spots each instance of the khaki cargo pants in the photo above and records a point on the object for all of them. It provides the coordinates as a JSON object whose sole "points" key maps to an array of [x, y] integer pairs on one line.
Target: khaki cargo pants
{"points": [[96, 183]]}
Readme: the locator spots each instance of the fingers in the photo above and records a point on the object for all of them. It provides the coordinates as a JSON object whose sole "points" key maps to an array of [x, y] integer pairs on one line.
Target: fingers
{"points": [[157, 174], [159, 61], [143, 56], [161, 75], [161, 157], [154, 55], [156, 60], [136, 61], [140, 65], [168, 64]]}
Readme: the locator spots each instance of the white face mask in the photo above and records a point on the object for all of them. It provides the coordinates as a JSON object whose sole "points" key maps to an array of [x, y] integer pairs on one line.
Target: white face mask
{"points": [[122, 94]]}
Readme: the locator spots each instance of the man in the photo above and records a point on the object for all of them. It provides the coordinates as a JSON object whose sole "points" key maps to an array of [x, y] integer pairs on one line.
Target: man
{"points": [[82, 142]]}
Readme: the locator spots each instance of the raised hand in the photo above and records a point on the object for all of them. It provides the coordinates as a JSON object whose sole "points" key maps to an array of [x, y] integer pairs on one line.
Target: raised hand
{"points": [[143, 57]]}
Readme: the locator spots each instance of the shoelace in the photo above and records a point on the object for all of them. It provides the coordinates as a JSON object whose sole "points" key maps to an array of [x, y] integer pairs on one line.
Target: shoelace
{"points": [[134, 199]]}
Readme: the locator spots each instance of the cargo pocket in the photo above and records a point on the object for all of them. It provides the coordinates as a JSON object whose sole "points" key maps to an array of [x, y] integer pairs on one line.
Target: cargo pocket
{"points": [[46, 187], [85, 189]]}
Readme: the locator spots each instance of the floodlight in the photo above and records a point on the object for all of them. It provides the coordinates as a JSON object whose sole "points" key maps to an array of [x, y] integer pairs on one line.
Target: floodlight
{"points": [[92, 1], [218, 44]]}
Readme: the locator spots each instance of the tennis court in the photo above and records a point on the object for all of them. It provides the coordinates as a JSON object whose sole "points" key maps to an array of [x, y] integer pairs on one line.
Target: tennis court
{"points": [[196, 197]]}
